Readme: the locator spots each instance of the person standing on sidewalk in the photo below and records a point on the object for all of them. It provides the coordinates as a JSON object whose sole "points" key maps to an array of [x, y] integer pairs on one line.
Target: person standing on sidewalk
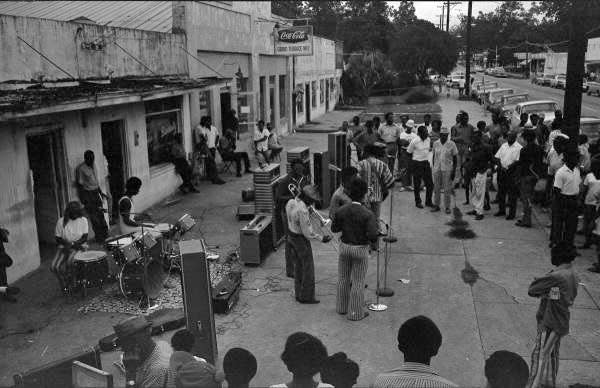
{"points": [[378, 177], [507, 158], [530, 170], [300, 232], [444, 167], [462, 133], [564, 205], [421, 169], [557, 291], [390, 134], [359, 228], [91, 195], [591, 195], [404, 160], [481, 159]]}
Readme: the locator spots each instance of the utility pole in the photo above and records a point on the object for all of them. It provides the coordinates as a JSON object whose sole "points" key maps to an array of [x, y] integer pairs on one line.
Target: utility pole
{"points": [[578, 17], [468, 54], [448, 16]]}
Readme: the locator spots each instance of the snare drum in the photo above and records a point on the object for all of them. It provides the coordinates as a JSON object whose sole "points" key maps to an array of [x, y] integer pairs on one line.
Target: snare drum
{"points": [[91, 269]]}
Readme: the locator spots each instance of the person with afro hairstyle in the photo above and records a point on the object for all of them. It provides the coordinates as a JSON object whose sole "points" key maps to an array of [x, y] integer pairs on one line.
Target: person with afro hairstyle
{"points": [[419, 339], [183, 341], [304, 354], [240, 367], [506, 369], [340, 371], [557, 291]]}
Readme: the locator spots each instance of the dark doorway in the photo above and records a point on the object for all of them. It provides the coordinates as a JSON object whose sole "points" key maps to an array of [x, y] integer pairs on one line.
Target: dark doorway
{"points": [[225, 111], [326, 95], [307, 102], [46, 162], [113, 148]]}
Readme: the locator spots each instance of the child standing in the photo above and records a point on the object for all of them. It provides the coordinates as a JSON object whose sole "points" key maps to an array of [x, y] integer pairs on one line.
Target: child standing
{"points": [[557, 290]]}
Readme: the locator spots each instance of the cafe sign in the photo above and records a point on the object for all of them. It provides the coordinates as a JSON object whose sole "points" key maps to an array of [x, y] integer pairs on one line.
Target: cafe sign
{"points": [[296, 40]]}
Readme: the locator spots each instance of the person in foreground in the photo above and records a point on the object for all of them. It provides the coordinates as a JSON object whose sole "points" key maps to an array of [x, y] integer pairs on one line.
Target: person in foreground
{"points": [[303, 356], [300, 232], [190, 372], [340, 371], [359, 229], [419, 339], [143, 358], [239, 366], [504, 369], [557, 291]]}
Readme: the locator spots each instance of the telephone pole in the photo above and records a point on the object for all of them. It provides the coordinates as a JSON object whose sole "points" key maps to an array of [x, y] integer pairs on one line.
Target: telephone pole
{"points": [[468, 53], [449, 4]]}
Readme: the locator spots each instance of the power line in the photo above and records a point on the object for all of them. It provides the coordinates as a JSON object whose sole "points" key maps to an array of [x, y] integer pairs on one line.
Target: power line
{"points": [[45, 57]]}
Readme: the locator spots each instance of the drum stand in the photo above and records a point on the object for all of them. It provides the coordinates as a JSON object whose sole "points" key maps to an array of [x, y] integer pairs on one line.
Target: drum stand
{"points": [[377, 306], [390, 238]]}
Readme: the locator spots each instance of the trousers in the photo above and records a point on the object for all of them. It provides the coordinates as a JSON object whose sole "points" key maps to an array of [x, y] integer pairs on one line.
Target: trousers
{"points": [[93, 206], [289, 264], [442, 180], [421, 171], [352, 269], [526, 191], [478, 191], [506, 188], [589, 216], [183, 168], [304, 267], [564, 218]]}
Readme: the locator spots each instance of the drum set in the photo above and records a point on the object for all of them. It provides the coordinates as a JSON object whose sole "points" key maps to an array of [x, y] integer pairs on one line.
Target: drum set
{"points": [[143, 259]]}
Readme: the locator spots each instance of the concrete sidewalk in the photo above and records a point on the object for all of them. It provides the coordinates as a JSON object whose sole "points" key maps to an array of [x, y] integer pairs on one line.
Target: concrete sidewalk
{"points": [[492, 314]]}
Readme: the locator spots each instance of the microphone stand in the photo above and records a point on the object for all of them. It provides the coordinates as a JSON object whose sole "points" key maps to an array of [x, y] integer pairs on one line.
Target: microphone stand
{"points": [[377, 306], [385, 291]]}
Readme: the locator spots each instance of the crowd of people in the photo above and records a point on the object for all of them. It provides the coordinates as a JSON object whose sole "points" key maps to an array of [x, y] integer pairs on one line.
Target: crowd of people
{"points": [[153, 364]]}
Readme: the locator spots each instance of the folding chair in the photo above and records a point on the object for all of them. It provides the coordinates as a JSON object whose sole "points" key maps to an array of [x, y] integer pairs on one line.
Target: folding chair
{"points": [[227, 163]]}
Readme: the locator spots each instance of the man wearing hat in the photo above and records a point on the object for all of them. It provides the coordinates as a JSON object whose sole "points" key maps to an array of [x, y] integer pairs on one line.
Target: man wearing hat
{"points": [[149, 360], [300, 232], [444, 166]]}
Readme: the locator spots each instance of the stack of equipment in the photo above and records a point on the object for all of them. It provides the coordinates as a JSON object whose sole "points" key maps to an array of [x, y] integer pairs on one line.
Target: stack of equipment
{"points": [[301, 153]]}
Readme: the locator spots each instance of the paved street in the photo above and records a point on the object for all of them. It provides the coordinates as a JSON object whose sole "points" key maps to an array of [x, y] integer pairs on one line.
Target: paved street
{"points": [[492, 314]]}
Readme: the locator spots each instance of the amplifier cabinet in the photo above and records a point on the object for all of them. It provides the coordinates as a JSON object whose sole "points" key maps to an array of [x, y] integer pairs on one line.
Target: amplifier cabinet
{"points": [[302, 153], [197, 298], [322, 178], [267, 174], [256, 240], [339, 156], [266, 204]]}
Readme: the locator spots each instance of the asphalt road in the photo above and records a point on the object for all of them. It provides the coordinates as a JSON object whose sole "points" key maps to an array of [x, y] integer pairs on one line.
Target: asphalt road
{"points": [[590, 105]]}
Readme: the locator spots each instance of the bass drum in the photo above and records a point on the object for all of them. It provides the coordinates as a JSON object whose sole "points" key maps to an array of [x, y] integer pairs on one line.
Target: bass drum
{"points": [[137, 279]]}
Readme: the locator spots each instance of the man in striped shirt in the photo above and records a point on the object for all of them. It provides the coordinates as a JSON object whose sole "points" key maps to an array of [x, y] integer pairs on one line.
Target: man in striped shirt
{"points": [[378, 177], [419, 339]]}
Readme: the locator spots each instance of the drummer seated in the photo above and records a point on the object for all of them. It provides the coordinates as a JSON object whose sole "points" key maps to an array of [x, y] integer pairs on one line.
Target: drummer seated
{"points": [[71, 236]]}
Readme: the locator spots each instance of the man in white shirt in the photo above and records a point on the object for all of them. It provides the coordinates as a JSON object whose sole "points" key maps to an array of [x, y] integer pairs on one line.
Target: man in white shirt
{"points": [[445, 157], [211, 133], [421, 169], [565, 203], [261, 143], [404, 158], [506, 158], [390, 134]]}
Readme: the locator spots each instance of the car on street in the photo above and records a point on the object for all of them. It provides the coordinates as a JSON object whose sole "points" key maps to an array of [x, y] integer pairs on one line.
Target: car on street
{"points": [[590, 126], [477, 69], [495, 95], [479, 87], [593, 88], [584, 86], [508, 103], [454, 80], [494, 71], [559, 81], [547, 107], [543, 80]]}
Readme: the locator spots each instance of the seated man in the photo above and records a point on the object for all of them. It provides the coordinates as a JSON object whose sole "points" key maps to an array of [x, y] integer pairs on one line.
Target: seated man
{"points": [[182, 166], [202, 150], [227, 150], [261, 144], [274, 146]]}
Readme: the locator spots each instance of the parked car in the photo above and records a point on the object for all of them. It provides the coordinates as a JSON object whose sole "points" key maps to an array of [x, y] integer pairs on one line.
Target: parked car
{"points": [[479, 87], [544, 79], [590, 126], [508, 103], [494, 71], [547, 107], [477, 69], [593, 87], [454, 79], [495, 95], [559, 81], [584, 86]]}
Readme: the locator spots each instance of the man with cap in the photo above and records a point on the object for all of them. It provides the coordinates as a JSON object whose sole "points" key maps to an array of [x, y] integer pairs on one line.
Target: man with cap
{"points": [[404, 159], [300, 232], [189, 372], [444, 167], [143, 358]]}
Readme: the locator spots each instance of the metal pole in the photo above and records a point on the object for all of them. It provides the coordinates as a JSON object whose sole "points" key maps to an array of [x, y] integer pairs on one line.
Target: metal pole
{"points": [[385, 291], [377, 306], [468, 65], [448, 16]]}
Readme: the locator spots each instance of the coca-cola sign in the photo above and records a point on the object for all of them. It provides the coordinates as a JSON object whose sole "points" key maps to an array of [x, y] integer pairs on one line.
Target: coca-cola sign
{"points": [[293, 36]]}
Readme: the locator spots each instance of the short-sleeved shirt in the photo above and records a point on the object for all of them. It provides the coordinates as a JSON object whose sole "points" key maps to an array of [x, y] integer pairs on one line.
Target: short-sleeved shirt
{"points": [[378, 177], [390, 133], [419, 149], [530, 160], [443, 155], [86, 177], [155, 371], [410, 375], [555, 161], [211, 136], [73, 230], [407, 138], [509, 154], [262, 145], [567, 180], [592, 197]]}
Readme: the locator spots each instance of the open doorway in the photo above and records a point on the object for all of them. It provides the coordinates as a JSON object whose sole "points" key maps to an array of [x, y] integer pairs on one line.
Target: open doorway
{"points": [[326, 95], [226, 119], [46, 156], [307, 101], [113, 148]]}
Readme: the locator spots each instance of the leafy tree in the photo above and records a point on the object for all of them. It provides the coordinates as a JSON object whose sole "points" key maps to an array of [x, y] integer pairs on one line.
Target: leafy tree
{"points": [[404, 14], [287, 9], [421, 46], [365, 71]]}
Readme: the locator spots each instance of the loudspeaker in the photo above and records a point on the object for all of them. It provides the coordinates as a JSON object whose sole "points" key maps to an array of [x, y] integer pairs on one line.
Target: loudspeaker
{"points": [[302, 153], [339, 156], [322, 178], [197, 298], [266, 204], [256, 240]]}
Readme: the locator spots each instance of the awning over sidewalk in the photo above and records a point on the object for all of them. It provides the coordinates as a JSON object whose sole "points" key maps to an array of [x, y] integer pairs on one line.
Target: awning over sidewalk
{"points": [[46, 98]]}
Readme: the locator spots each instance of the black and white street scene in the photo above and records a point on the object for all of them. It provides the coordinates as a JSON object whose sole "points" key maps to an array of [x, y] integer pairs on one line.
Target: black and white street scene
{"points": [[300, 194]]}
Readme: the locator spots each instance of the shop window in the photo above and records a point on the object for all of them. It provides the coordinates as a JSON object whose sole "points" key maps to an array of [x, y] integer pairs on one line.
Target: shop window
{"points": [[282, 96], [163, 129], [313, 93], [300, 98], [322, 92]]}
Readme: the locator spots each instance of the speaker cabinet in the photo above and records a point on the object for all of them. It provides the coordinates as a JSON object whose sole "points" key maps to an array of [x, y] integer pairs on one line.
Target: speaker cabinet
{"points": [[302, 153], [256, 240], [322, 178], [197, 298], [339, 156]]}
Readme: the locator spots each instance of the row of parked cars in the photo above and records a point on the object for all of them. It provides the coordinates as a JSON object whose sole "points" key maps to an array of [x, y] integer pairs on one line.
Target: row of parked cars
{"points": [[511, 105], [559, 81]]}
